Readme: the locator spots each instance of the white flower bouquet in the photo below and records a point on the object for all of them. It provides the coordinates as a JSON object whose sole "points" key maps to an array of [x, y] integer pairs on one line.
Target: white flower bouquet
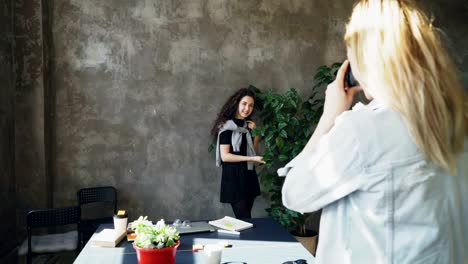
{"points": [[154, 236]]}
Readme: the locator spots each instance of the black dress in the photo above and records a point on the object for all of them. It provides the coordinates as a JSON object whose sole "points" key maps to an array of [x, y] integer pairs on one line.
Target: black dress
{"points": [[237, 182]]}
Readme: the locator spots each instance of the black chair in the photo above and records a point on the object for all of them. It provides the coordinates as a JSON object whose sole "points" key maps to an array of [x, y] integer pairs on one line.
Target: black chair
{"points": [[43, 218], [101, 198]]}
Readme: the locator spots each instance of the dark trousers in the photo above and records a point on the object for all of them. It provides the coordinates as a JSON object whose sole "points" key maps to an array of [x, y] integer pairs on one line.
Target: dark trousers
{"points": [[243, 208]]}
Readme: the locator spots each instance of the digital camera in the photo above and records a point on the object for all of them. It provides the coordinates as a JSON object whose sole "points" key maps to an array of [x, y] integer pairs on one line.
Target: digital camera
{"points": [[349, 79]]}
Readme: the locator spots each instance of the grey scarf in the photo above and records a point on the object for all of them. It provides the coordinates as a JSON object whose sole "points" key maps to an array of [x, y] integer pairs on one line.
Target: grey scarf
{"points": [[236, 140]]}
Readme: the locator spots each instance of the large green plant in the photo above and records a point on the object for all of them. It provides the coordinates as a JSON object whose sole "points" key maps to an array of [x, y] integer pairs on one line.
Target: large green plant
{"points": [[288, 122]]}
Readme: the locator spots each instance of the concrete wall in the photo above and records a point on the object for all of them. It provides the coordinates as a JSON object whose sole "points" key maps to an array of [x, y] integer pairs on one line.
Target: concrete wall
{"points": [[137, 84], [452, 18], [7, 179]]}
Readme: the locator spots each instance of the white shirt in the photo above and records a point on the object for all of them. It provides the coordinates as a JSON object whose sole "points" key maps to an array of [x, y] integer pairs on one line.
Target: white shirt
{"points": [[382, 201]]}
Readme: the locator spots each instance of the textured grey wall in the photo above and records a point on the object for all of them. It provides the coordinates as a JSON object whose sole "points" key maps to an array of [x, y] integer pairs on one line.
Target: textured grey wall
{"points": [[7, 177], [138, 84], [452, 18]]}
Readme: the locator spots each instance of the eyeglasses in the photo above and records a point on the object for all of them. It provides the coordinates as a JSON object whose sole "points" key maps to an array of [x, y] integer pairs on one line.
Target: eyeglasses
{"points": [[184, 224], [297, 261]]}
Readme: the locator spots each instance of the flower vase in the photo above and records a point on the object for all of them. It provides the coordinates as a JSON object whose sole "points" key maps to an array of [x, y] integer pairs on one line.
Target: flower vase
{"points": [[165, 255]]}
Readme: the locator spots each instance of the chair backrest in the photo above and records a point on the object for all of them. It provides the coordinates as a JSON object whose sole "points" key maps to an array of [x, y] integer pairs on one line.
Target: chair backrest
{"points": [[95, 203], [51, 217], [98, 194]]}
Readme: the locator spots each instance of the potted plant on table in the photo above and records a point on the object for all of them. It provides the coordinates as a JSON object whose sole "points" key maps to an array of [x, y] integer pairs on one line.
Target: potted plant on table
{"points": [[155, 243]]}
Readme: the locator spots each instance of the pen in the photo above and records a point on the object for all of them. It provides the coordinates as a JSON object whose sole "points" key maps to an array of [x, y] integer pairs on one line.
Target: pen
{"points": [[228, 232]]}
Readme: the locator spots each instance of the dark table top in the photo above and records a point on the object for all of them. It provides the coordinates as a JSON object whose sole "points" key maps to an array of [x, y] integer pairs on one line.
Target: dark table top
{"points": [[266, 242]]}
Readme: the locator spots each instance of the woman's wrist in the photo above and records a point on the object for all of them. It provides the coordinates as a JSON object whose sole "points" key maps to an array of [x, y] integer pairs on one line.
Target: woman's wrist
{"points": [[326, 122]]}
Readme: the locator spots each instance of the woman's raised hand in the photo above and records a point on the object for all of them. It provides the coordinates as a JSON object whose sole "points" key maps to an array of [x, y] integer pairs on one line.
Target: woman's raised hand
{"points": [[251, 124], [338, 97]]}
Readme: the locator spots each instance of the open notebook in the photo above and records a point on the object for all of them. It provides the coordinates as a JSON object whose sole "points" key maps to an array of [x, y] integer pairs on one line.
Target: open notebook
{"points": [[230, 223]]}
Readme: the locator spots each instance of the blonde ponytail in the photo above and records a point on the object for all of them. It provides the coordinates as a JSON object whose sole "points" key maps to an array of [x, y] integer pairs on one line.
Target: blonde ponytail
{"points": [[401, 60]]}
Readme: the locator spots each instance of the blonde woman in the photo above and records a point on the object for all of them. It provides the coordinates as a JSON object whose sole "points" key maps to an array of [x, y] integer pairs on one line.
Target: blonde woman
{"points": [[391, 176]]}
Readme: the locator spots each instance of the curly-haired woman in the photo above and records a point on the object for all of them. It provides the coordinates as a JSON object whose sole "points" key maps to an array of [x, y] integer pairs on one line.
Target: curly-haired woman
{"points": [[236, 152]]}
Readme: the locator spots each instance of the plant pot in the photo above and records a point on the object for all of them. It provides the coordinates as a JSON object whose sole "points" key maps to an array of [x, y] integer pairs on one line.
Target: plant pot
{"points": [[309, 240], [165, 255]]}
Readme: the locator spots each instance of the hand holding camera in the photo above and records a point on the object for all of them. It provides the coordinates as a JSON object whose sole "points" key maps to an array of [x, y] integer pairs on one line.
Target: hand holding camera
{"points": [[338, 95]]}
